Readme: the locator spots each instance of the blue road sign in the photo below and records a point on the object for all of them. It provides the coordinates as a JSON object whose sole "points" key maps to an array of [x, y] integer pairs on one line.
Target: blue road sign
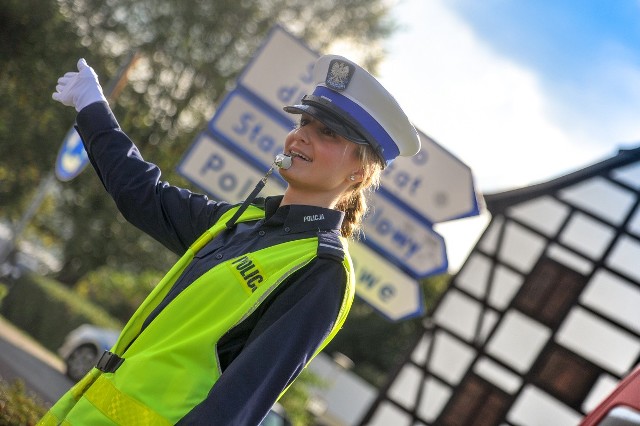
{"points": [[222, 172], [72, 158]]}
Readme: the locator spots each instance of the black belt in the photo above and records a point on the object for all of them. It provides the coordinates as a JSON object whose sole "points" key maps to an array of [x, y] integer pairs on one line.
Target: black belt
{"points": [[109, 362]]}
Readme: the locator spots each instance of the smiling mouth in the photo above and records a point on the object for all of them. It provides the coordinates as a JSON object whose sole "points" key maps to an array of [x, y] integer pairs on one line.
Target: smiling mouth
{"points": [[299, 155]]}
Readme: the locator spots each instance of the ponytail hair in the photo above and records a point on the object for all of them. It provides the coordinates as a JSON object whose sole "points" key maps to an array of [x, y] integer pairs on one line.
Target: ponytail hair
{"points": [[354, 201]]}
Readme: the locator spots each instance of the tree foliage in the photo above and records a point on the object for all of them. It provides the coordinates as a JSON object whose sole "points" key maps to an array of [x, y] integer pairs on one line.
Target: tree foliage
{"points": [[118, 292], [33, 37], [189, 53]]}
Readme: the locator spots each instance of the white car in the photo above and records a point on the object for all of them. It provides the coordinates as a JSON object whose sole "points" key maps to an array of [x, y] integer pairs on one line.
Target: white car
{"points": [[83, 347]]}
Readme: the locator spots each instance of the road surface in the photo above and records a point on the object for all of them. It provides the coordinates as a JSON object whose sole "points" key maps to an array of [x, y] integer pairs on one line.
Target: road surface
{"points": [[23, 358]]}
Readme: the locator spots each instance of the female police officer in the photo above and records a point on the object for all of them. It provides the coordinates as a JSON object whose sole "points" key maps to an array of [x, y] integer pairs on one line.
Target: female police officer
{"points": [[257, 292]]}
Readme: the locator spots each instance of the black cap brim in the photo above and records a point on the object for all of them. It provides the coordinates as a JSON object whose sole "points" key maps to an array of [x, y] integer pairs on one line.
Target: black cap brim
{"points": [[330, 120]]}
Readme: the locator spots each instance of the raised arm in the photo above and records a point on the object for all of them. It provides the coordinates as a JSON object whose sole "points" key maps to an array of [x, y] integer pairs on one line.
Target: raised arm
{"points": [[172, 215]]}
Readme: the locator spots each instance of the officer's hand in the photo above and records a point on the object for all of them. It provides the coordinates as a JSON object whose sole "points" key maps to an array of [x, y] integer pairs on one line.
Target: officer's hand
{"points": [[79, 89]]}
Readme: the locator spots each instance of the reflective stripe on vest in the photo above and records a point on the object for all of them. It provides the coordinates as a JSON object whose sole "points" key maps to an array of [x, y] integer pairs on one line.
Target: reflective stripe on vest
{"points": [[175, 354]]}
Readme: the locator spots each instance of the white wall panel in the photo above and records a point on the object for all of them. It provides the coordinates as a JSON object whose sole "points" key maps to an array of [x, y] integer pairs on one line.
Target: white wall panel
{"points": [[451, 358], [506, 284], [629, 174], [570, 259], [404, 390], [388, 414], [603, 387], [536, 408], [625, 257], [433, 399], [474, 275], [490, 319], [633, 226], [544, 214], [518, 340], [587, 235], [458, 313], [521, 248], [614, 297], [601, 198], [498, 375], [489, 240], [419, 355], [598, 341]]}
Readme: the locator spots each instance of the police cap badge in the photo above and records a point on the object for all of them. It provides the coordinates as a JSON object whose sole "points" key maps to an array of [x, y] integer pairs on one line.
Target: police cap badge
{"points": [[351, 102]]}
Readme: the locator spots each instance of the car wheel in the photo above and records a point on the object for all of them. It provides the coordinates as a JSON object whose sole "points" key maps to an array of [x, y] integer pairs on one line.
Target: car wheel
{"points": [[80, 361]]}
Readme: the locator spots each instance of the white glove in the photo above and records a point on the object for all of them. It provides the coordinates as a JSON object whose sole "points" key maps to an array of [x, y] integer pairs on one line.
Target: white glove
{"points": [[79, 89]]}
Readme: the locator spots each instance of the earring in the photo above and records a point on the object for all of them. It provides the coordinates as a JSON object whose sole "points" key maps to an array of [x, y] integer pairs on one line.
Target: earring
{"points": [[352, 177]]}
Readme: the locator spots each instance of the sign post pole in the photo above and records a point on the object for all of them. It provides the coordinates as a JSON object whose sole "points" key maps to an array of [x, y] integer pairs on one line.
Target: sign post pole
{"points": [[38, 198]]}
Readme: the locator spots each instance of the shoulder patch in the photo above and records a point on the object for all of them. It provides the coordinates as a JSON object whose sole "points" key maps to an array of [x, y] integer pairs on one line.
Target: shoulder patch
{"points": [[330, 246], [259, 202]]}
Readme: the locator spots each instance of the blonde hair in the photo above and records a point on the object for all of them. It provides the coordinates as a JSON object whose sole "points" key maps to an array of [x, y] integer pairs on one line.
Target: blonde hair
{"points": [[354, 202]]}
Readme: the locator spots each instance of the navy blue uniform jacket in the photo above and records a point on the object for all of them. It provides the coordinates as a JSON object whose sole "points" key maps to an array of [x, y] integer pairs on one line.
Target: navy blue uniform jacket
{"points": [[264, 353]]}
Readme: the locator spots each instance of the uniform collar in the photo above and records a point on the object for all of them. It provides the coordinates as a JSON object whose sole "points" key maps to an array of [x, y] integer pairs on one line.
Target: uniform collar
{"points": [[300, 218]]}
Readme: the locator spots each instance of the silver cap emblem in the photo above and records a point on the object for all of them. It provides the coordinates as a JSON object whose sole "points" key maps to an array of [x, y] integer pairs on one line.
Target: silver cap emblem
{"points": [[339, 75]]}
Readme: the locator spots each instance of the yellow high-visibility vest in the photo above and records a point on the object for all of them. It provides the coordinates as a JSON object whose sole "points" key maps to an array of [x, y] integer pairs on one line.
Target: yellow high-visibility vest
{"points": [[171, 366]]}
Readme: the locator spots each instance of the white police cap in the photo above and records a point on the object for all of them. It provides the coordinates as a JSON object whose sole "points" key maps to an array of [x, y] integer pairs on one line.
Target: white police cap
{"points": [[352, 103]]}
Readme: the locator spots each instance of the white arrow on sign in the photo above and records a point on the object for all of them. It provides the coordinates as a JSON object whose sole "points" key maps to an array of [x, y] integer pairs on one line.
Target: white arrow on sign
{"points": [[221, 172], [433, 183], [387, 289], [72, 158]]}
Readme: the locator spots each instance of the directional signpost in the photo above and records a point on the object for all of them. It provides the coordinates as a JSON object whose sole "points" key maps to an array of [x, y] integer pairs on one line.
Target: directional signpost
{"points": [[215, 168], [433, 183], [281, 72], [407, 241], [387, 289], [249, 129]]}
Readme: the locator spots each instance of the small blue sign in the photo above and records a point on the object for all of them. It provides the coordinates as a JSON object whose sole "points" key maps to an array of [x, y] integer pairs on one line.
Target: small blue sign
{"points": [[72, 158]]}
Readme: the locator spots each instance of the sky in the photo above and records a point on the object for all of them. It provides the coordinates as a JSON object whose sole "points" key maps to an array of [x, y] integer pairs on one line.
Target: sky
{"points": [[521, 91]]}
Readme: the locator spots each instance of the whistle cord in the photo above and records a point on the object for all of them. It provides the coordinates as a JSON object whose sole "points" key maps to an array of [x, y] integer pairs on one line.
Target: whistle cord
{"points": [[231, 222]]}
